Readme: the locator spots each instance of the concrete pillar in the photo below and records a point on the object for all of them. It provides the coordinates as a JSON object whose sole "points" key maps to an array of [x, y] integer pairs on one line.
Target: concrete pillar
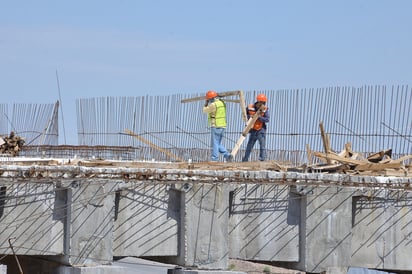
{"points": [[89, 236], [204, 227], [31, 219], [3, 269], [326, 228], [147, 218], [264, 223], [382, 230]]}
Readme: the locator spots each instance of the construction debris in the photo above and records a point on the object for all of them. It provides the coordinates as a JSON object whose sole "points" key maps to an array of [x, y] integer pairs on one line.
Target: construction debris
{"points": [[347, 161], [11, 144]]}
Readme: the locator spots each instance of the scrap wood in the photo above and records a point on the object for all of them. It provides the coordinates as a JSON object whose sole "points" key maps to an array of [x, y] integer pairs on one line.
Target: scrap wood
{"points": [[336, 157], [309, 154], [378, 166], [348, 160], [347, 152], [11, 144], [403, 158], [363, 165], [326, 142], [378, 156], [131, 133]]}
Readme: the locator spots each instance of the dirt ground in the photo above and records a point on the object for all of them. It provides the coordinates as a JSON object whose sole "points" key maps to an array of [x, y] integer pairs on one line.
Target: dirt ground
{"points": [[257, 268]]}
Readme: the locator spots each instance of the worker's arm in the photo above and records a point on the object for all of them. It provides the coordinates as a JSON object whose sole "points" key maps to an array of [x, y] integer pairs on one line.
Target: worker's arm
{"points": [[210, 108], [265, 117]]}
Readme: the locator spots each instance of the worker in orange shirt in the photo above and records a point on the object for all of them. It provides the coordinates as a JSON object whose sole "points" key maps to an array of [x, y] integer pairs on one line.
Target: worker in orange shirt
{"points": [[258, 131]]}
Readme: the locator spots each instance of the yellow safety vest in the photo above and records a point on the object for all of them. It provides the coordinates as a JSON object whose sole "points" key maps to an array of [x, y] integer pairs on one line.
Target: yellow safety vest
{"points": [[219, 116]]}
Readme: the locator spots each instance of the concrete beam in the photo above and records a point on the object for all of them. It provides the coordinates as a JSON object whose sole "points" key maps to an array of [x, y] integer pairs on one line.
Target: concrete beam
{"points": [[198, 218]]}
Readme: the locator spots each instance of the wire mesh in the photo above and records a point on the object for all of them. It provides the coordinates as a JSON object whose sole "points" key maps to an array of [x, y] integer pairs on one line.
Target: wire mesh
{"points": [[371, 118], [36, 123]]}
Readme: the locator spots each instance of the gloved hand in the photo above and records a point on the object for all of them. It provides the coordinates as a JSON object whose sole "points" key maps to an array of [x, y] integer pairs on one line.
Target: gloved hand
{"points": [[206, 103]]}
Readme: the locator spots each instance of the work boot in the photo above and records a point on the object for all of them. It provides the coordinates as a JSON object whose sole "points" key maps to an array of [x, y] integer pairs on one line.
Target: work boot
{"points": [[229, 158]]}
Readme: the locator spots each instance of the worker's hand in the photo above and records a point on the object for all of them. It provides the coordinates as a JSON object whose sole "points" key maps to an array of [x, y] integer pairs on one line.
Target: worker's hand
{"points": [[206, 103]]}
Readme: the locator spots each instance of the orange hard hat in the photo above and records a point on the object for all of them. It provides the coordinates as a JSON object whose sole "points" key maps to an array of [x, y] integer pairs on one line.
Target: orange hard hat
{"points": [[211, 94], [261, 98]]}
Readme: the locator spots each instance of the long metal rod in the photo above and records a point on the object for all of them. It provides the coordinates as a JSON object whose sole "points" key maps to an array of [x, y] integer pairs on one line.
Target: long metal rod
{"points": [[15, 257], [295, 115], [61, 106], [400, 134]]}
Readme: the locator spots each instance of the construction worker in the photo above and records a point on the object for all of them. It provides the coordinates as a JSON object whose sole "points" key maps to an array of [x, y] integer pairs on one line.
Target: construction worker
{"points": [[258, 131], [216, 110]]}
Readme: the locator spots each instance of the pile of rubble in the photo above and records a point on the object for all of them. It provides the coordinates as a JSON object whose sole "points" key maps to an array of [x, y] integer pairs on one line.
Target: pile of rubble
{"points": [[350, 162], [11, 144]]}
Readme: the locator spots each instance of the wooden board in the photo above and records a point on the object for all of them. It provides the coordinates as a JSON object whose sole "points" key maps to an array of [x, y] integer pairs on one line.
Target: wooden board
{"points": [[243, 106], [143, 140], [378, 156], [237, 145], [378, 166], [309, 154], [203, 98], [404, 158], [361, 165], [326, 143], [335, 157]]}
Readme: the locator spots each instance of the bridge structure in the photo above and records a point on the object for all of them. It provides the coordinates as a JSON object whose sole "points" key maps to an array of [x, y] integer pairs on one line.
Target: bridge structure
{"points": [[79, 208], [80, 215]]}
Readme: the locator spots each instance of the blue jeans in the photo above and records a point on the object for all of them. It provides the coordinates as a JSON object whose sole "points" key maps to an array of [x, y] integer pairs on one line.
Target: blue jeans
{"points": [[253, 137], [217, 147]]}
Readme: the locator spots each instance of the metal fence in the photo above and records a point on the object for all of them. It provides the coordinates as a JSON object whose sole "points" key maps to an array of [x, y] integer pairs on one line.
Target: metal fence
{"points": [[36, 123], [371, 118]]}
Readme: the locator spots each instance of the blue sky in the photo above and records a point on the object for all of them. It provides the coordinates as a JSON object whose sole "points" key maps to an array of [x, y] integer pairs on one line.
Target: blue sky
{"points": [[134, 48]]}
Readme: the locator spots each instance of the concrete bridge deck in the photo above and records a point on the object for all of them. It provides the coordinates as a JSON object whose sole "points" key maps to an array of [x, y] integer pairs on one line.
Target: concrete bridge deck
{"points": [[62, 216]]}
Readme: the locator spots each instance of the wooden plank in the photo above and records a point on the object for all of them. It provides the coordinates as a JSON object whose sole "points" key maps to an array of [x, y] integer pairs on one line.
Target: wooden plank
{"points": [[404, 158], [309, 154], [243, 105], [332, 156], [325, 140], [203, 98], [237, 145], [378, 166], [378, 156], [328, 168], [361, 165], [232, 100], [143, 140], [346, 152]]}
